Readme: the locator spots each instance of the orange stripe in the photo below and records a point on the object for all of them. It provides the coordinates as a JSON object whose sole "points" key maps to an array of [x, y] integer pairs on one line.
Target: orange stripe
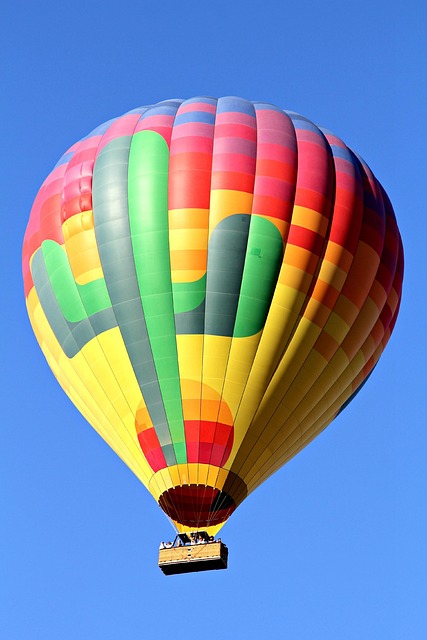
{"points": [[189, 259], [188, 219]]}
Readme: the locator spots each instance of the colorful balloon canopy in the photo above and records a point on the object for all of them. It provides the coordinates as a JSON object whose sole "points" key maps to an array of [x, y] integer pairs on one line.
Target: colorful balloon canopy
{"points": [[211, 281]]}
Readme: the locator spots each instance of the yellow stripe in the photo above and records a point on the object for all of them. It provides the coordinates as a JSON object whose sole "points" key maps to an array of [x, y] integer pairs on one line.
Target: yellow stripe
{"points": [[82, 248], [309, 219]]}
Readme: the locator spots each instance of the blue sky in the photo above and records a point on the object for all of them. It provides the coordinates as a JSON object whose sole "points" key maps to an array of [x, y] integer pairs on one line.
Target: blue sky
{"points": [[333, 546]]}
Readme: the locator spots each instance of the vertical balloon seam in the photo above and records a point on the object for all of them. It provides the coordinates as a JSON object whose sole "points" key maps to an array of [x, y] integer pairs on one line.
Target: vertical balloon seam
{"points": [[344, 394], [101, 348], [197, 503], [202, 501], [196, 515], [147, 175], [176, 507], [329, 208], [137, 215], [171, 496], [140, 285], [174, 299], [191, 501], [219, 504], [211, 231], [209, 253], [157, 478]]}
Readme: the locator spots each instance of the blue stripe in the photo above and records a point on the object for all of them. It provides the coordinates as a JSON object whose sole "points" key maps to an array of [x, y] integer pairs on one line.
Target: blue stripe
{"points": [[140, 110], [265, 106], [231, 103], [195, 116], [303, 123], [65, 159], [99, 131], [339, 152], [203, 99], [168, 108]]}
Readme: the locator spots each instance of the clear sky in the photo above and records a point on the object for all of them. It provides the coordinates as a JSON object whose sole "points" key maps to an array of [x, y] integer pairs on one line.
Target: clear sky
{"points": [[333, 547]]}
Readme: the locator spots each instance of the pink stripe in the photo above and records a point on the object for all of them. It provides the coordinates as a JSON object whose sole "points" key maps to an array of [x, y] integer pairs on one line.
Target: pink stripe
{"points": [[154, 121], [313, 170], [56, 174], [87, 155], [124, 126], [87, 143], [235, 117], [277, 138], [195, 144], [201, 129], [334, 140], [274, 120], [233, 162], [234, 146], [276, 152], [303, 135], [53, 187], [197, 106], [231, 130], [266, 186]]}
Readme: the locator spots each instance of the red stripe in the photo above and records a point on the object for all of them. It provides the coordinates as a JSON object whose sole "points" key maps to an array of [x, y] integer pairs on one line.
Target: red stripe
{"points": [[306, 239], [232, 180]]}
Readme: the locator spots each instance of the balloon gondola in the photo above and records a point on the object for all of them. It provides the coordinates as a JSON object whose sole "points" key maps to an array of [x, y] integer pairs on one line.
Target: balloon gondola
{"points": [[211, 281], [193, 552]]}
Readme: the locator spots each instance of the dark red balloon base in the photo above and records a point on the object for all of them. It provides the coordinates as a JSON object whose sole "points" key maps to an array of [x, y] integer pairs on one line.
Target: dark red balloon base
{"points": [[197, 506]]}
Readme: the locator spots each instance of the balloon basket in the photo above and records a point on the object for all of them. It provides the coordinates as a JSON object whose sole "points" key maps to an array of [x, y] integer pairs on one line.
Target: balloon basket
{"points": [[192, 552]]}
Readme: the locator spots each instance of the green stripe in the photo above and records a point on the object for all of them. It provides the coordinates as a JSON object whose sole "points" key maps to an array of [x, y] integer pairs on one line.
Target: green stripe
{"points": [[76, 301], [263, 260], [113, 237], [188, 295], [148, 218]]}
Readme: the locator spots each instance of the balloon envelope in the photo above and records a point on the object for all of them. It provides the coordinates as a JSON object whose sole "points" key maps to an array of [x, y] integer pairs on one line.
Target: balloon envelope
{"points": [[211, 281]]}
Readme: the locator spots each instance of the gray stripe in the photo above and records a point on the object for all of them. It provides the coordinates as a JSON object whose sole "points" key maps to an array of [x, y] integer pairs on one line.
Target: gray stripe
{"points": [[226, 260], [112, 230], [191, 322], [72, 336]]}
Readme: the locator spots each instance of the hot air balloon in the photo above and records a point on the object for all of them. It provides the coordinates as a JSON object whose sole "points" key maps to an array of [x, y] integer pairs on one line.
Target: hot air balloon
{"points": [[211, 281]]}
